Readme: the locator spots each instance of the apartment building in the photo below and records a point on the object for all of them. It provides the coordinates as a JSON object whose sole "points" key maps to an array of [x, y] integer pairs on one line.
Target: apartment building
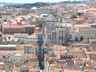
{"points": [[30, 49], [25, 38], [17, 28], [7, 47]]}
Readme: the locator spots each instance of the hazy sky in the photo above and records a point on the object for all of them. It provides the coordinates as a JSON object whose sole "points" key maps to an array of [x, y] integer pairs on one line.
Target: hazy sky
{"points": [[31, 1]]}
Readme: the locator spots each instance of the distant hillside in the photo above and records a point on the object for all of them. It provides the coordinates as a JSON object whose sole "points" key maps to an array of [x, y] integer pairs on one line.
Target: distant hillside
{"points": [[29, 5], [39, 4]]}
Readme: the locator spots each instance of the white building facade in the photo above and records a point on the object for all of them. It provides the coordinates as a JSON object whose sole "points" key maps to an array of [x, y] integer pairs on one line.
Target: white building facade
{"points": [[27, 39]]}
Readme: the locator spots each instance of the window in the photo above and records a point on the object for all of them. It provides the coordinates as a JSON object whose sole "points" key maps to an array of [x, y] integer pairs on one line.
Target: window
{"points": [[81, 38]]}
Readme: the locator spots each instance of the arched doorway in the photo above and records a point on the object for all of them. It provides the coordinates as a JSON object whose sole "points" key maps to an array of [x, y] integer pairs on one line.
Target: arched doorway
{"points": [[81, 38], [76, 39]]}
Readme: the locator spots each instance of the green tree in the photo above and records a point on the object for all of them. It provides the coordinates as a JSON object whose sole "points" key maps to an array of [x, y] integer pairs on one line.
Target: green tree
{"points": [[74, 16], [29, 32], [5, 20], [40, 25]]}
